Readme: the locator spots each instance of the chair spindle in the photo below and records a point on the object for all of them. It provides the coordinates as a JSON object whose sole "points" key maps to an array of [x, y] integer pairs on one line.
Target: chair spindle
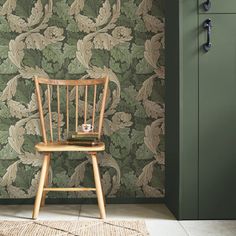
{"points": [[103, 107], [50, 112], [42, 121], [67, 109], [76, 107], [94, 103], [58, 111], [85, 104]]}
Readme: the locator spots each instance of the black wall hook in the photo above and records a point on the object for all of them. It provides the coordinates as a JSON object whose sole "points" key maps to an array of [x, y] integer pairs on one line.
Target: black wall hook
{"points": [[207, 26], [207, 5]]}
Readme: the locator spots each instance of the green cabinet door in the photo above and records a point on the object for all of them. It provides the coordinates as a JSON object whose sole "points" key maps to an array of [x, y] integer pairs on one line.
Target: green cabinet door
{"points": [[218, 6], [217, 118]]}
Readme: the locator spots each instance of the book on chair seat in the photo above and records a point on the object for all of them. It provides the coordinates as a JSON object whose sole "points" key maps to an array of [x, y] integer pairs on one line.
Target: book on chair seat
{"points": [[83, 138]]}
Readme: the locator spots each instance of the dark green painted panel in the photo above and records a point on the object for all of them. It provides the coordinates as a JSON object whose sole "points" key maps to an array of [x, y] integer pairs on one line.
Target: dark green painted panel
{"points": [[172, 107], [188, 110], [217, 120], [219, 6], [182, 108]]}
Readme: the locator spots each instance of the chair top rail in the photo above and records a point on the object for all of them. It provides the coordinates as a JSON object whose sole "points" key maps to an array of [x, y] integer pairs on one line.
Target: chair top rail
{"points": [[82, 82]]}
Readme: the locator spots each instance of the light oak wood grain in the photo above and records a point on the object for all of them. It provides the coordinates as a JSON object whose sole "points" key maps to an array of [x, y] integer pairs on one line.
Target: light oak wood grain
{"points": [[98, 186], [41, 186], [48, 147], [69, 189], [64, 146]]}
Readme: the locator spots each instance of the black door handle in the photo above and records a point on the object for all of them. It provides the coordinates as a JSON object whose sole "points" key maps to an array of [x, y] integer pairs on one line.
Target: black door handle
{"points": [[207, 26], [207, 5]]}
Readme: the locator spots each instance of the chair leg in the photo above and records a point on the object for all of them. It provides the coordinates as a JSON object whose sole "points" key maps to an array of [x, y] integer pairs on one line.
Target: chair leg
{"points": [[45, 183], [40, 187], [98, 186]]}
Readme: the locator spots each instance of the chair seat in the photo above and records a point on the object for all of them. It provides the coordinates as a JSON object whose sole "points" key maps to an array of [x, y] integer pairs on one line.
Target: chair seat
{"points": [[69, 147]]}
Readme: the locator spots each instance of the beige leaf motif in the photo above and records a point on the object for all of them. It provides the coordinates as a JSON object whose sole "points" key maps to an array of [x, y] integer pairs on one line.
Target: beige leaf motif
{"points": [[36, 14], [151, 192], [163, 126], [105, 41], [159, 36], [97, 72], [16, 23], [10, 174], [115, 12], [115, 186], [160, 71], [84, 52], [106, 182], [152, 51], [160, 157], [161, 123], [144, 7], [78, 176], [10, 89], [85, 24], [8, 7], [16, 138], [34, 159], [29, 72], [54, 120], [16, 192], [54, 34], [145, 90], [85, 194], [122, 33], [153, 24], [81, 103], [121, 120], [35, 41], [16, 52], [108, 161], [152, 138], [107, 127], [76, 7], [32, 127], [34, 185], [17, 109], [146, 175], [115, 101], [113, 78], [163, 40], [104, 14], [153, 110], [47, 14], [32, 106]]}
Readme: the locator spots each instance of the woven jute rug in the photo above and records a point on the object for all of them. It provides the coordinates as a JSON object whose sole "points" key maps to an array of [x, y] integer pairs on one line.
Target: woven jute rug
{"points": [[71, 228]]}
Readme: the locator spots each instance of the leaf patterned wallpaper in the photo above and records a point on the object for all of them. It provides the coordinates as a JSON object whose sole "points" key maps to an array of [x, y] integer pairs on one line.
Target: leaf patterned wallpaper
{"points": [[70, 39]]}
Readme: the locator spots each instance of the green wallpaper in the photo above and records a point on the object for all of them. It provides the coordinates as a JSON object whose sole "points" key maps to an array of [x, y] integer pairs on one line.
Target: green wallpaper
{"points": [[70, 39]]}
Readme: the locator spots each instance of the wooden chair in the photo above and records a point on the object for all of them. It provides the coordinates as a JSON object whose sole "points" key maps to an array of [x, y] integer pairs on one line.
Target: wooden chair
{"points": [[73, 91]]}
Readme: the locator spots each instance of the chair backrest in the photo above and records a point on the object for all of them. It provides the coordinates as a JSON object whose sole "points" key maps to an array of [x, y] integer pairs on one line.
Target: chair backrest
{"points": [[79, 101]]}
